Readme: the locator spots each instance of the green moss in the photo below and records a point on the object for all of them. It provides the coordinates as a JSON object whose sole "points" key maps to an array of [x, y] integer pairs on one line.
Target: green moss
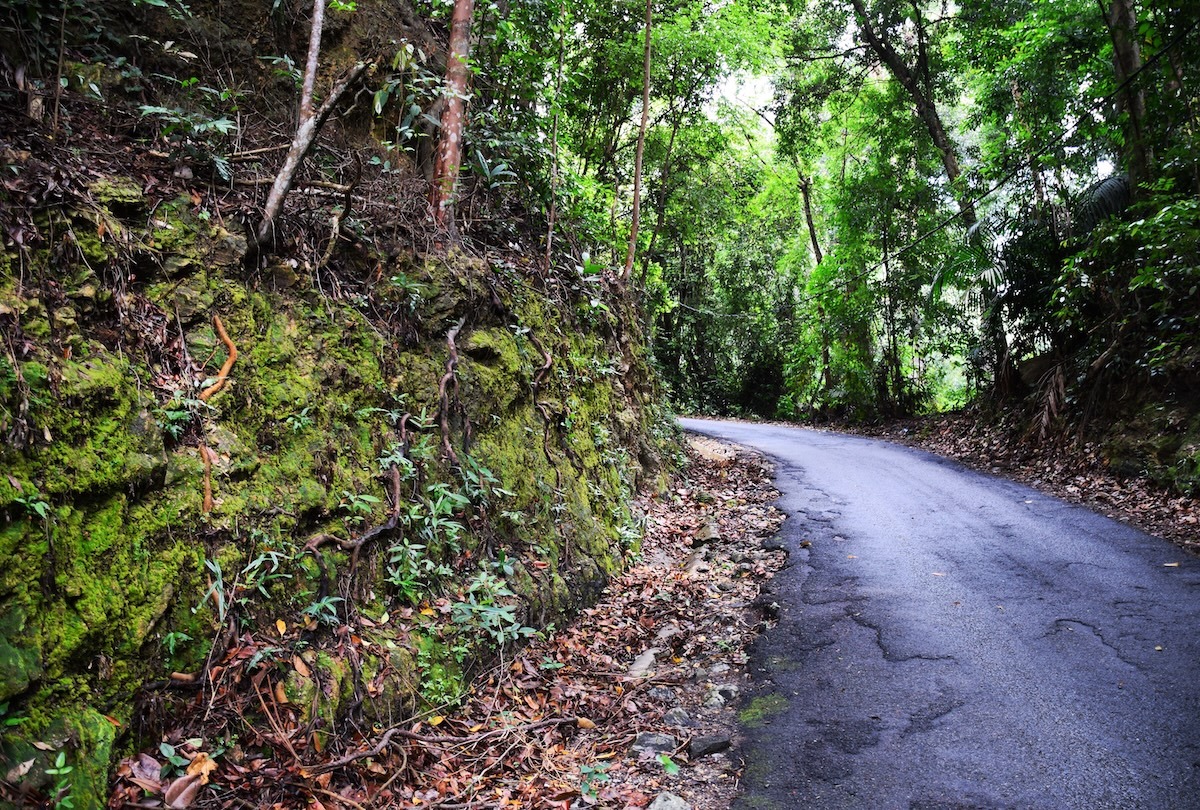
{"points": [[309, 407], [761, 710]]}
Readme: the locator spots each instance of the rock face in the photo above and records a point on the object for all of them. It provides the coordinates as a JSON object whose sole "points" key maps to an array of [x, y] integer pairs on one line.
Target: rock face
{"points": [[669, 801], [114, 572]]}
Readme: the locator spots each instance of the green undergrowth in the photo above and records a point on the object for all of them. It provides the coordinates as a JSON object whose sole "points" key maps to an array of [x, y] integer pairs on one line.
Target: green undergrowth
{"points": [[115, 576]]}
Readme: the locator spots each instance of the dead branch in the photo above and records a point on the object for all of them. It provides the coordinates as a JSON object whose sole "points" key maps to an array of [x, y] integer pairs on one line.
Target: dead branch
{"points": [[396, 731], [307, 127]]}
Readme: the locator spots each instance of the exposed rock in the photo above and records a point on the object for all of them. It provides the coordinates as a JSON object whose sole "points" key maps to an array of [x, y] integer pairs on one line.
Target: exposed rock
{"points": [[669, 801], [708, 533], [774, 544], [708, 744], [663, 694], [678, 718], [642, 665], [653, 743]]}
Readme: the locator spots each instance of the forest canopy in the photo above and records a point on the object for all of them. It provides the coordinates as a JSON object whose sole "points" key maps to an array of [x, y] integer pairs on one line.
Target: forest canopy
{"points": [[935, 202]]}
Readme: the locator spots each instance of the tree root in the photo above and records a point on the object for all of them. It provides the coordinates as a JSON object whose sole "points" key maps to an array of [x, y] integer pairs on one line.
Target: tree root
{"points": [[354, 545], [542, 408], [448, 379], [222, 377]]}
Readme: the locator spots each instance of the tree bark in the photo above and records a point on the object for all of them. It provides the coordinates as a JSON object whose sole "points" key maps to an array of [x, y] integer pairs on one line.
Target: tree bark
{"points": [[641, 149], [309, 123], [926, 110], [1121, 20], [449, 154]]}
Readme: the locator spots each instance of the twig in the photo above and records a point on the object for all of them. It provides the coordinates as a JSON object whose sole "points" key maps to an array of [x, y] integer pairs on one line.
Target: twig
{"points": [[396, 731]]}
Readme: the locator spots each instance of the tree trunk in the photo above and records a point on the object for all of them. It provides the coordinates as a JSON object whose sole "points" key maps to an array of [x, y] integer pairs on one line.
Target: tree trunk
{"points": [[449, 154], [641, 149], [308, 124], [926, 109], [1127, 61]]}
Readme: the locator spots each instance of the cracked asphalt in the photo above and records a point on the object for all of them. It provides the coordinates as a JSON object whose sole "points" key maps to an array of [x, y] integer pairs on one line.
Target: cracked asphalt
{"points": [[947, 639]]}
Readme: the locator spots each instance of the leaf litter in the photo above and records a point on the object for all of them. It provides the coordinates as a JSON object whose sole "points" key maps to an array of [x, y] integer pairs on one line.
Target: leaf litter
{"points": [[634, 698]]}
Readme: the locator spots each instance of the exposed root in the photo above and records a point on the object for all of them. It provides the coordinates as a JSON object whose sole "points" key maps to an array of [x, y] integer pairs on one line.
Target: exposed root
{"points": [[448, 379], [222, 377], [542, 408], [206, 457], [223, 374]]}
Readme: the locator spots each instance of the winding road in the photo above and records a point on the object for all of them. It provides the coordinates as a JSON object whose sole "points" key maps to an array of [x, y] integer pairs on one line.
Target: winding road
{"points": [[947, 639]]}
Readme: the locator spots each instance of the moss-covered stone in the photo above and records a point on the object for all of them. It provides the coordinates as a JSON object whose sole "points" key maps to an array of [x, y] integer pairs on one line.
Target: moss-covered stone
{"points": [[102, 505]]}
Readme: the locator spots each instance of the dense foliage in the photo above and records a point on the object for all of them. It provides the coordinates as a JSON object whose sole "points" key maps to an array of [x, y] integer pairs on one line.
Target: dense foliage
{"points": [[940, 200]]}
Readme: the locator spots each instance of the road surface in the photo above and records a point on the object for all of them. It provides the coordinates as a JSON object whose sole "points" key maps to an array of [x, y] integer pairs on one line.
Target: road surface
{"points": [[952, 640]]}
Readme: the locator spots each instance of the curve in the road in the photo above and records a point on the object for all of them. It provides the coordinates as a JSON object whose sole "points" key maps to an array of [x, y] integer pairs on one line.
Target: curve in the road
{"points": [[952, 640]]}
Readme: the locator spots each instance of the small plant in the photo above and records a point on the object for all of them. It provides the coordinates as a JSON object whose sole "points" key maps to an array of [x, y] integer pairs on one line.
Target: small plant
{"points": [[668, 764], [263, 655], [34, 505], [324, 610], [263, 570], [358, 506], [7, 720], [592, 778], [62, 785], [216, 591], [481, 610], [300, 421], [173, 757], [175, 640], [175, 415]]}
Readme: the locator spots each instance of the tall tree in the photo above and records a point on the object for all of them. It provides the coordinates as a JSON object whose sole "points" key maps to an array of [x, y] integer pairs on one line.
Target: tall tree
{"points": [[641, 148], [449, 153]]}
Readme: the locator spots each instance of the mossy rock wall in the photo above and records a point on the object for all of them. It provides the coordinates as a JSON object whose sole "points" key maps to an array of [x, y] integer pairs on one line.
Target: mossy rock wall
{"points": [[113, 574]]}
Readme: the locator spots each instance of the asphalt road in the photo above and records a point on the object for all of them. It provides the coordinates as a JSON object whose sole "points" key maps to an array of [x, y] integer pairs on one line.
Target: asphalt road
{"points": [[953, 640]]}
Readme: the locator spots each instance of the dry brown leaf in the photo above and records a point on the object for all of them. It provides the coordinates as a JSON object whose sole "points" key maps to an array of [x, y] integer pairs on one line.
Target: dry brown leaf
{"points": [[301, 667], [202, 765], [182, 792]]}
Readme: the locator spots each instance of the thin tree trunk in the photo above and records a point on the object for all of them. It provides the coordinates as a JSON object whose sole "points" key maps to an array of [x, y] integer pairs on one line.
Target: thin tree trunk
{"points": [[1121, 20], [660, 208], [806, 195], [926, 109], [553, 212], [641, 149], [818, 256], [449, 154]]}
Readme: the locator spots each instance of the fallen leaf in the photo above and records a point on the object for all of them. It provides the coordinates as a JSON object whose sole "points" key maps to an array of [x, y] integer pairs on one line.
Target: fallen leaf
{"points": [[281, 693], [281, 626], [202, 765], [583, 722], [18, 771], [301, 667], [182, 792], [437, 720], [41, 746]]}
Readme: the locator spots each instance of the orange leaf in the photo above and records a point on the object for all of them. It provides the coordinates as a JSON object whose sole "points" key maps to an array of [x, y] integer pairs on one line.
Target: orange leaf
{"points": [[583, 722], [281, 626], [202, 765], [300, 666]]}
